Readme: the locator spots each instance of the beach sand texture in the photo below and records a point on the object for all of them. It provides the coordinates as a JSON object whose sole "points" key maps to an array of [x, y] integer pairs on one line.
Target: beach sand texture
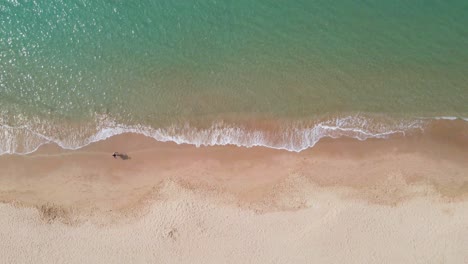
{"points": [[253, 131], [344, 201]]}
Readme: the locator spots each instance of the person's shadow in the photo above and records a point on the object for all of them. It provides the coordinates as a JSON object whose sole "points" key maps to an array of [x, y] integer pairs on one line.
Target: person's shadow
{"points": [[124, 156]]}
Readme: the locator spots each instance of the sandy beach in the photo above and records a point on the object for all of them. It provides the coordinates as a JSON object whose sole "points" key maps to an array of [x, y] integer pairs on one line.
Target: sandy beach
{"points": [[398, 200], [246, 132]]}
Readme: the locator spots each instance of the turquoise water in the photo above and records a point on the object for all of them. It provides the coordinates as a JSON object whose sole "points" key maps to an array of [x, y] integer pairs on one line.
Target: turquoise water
{"points": [[65, 66]]}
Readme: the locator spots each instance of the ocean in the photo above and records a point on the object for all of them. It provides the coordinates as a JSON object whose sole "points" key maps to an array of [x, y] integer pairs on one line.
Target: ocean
{"points": [[279, 74]]}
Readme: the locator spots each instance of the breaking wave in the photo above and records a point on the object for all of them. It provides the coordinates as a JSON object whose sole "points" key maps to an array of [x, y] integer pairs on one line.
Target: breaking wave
{"points": [[288, 135]]}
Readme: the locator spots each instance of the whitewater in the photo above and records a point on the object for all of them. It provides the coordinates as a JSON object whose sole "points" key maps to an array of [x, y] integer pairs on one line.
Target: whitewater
{"points": [[292, 136]]}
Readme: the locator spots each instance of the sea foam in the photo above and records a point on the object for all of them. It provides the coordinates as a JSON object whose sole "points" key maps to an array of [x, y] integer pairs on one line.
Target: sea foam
{"points": [[292, 136]]}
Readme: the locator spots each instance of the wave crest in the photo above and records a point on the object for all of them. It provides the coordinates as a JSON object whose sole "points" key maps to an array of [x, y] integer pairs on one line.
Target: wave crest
{"points": [[291, 135]]}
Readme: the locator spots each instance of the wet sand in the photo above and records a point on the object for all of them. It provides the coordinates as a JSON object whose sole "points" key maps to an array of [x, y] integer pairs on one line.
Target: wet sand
{"points": [[398, 200]]}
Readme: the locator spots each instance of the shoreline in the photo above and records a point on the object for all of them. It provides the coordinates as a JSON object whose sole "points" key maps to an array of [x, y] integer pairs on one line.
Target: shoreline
{"points": [[291, 135], [395, 200], [332, 163]]}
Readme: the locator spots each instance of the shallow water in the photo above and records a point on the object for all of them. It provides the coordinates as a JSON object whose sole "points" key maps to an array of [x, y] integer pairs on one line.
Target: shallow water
{"points": [[213, 71]]}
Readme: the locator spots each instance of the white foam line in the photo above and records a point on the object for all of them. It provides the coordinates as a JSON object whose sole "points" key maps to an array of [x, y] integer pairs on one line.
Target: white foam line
{"points": [[294, 139], [258, 138], [384, 134], [446, 118]]}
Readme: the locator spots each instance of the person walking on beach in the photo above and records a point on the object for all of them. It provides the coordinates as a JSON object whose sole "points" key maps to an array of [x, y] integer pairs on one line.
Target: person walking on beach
{"points": [[121, 155]]}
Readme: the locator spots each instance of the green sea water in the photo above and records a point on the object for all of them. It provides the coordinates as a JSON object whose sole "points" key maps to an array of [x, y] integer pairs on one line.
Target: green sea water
{"points": [[156, 63]]}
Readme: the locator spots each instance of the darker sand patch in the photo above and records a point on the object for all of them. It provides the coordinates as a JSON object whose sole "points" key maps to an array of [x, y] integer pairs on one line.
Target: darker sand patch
{"points": [[50, 213]]}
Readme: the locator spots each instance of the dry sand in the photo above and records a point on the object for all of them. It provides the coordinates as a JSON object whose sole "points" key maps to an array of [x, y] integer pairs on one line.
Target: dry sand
{"points": [[344, 201]]}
